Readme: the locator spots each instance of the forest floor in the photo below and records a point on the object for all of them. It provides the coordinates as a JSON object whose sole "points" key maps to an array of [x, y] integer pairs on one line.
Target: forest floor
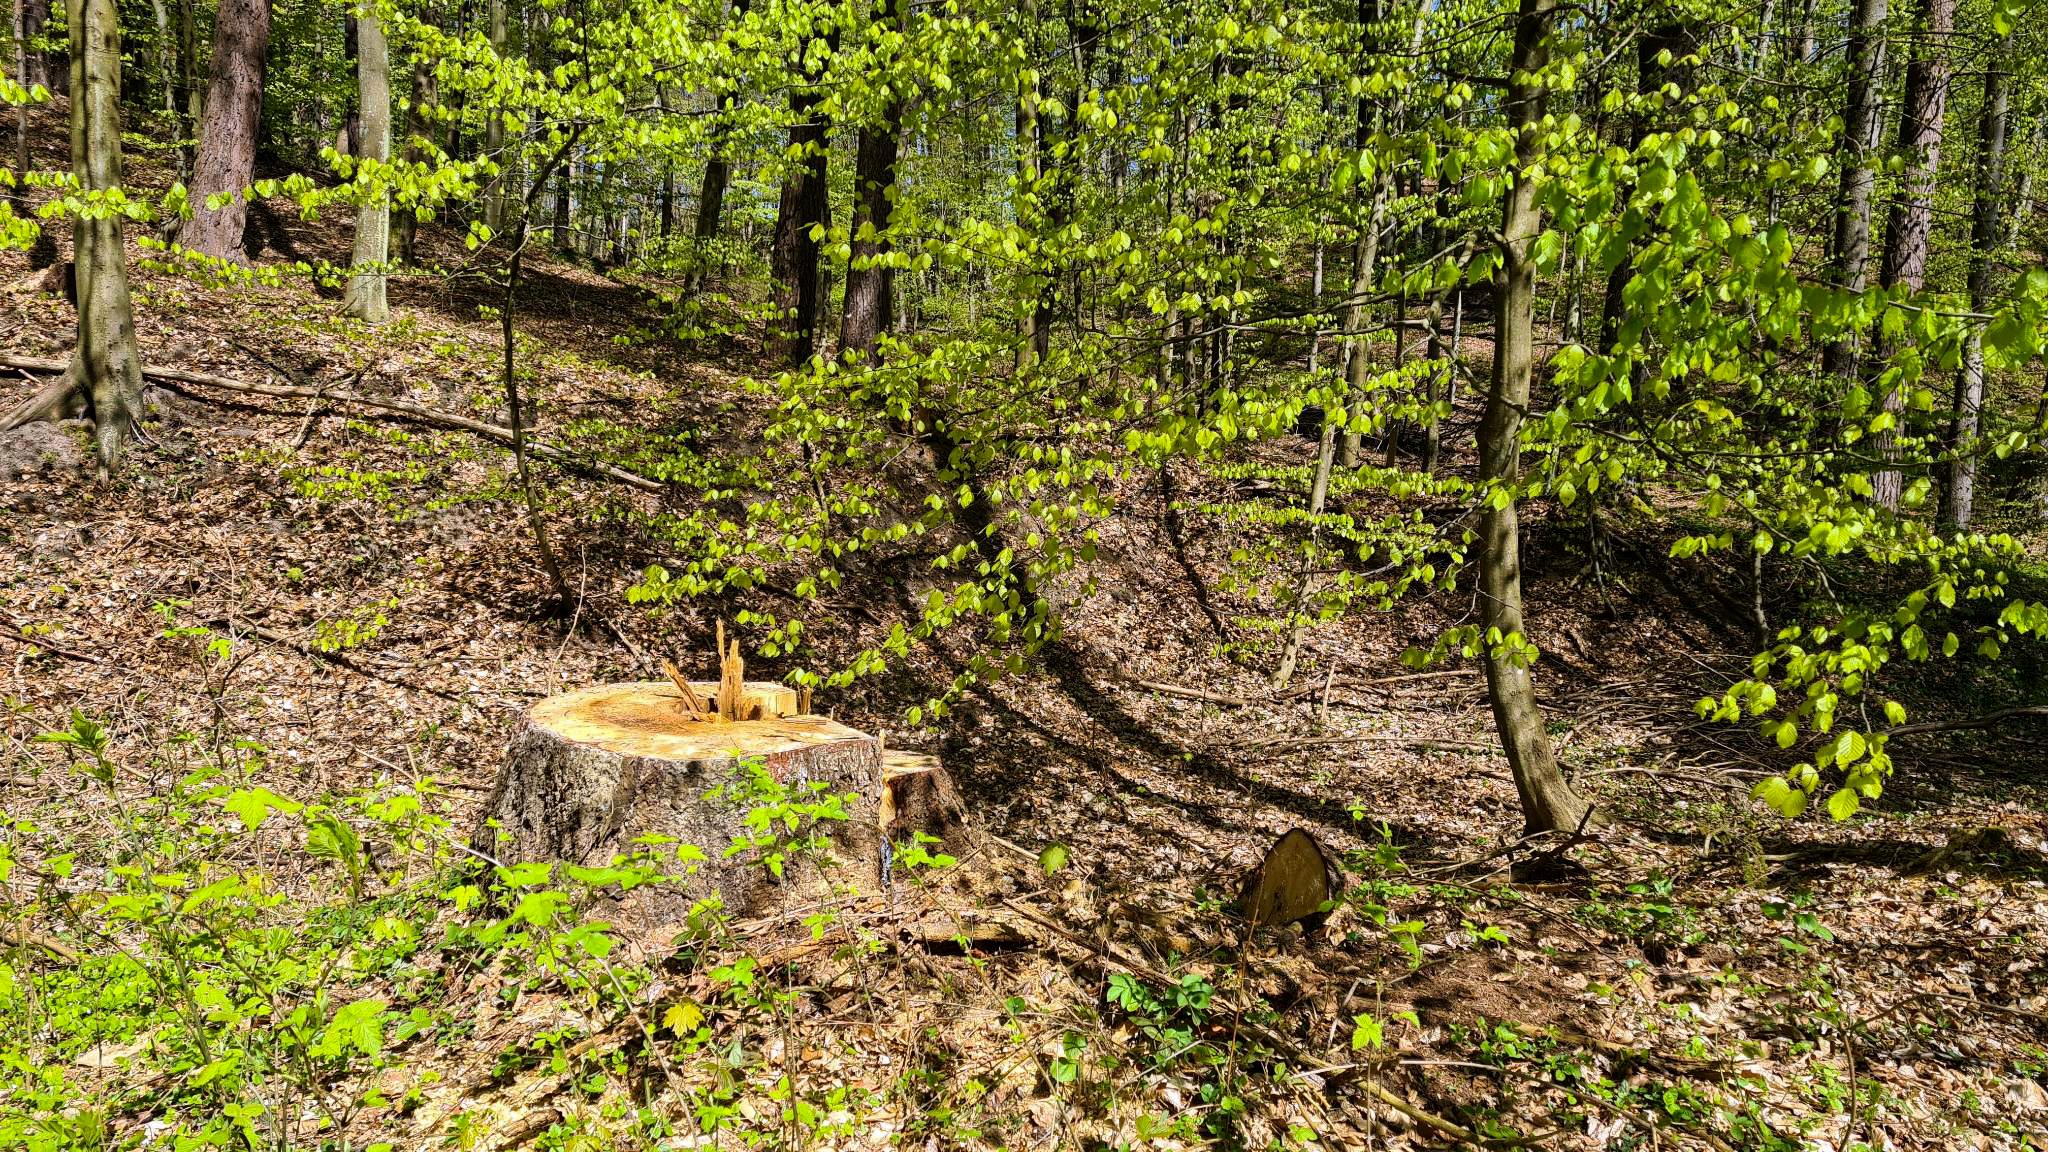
{"points": [[1696, 974]]}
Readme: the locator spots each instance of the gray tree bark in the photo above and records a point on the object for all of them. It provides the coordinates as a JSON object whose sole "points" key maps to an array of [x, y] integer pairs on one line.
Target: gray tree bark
{"points": [[1959, 495], [1548, 801], [366, 286], [1911, 220], [1860, 119], [104, 379]]}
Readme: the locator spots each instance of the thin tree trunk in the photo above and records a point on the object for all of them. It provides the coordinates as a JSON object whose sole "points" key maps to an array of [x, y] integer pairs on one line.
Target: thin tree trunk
{"points": [[1851, 249], [494, 131], [19, 194], [564, 180], [1959, 495], [1548, 801], [366, 288], [104, 379], [1911, 220], [189, 99], [1364, 261], [227, 141], [1027, 186], [419, 141]]}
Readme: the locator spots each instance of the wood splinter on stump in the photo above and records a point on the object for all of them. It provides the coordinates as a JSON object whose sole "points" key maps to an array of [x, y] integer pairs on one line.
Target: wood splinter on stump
{"points": [[593, 770]]}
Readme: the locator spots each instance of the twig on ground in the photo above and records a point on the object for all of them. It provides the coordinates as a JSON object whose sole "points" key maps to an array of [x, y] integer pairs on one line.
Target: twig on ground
{"points": [[173, 378], [8, 632]]}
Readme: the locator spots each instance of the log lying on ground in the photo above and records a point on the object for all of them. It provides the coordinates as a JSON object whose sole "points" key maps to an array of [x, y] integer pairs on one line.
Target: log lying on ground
{"points": [[592, 771]]}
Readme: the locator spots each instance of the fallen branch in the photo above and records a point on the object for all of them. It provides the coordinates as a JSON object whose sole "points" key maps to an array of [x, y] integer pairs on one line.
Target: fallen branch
{"points": [[313, 653], [29, 938], [1984, 721], [1375, 682], [173, 377], [1418, 743], [19, 637], [1222, 698]]}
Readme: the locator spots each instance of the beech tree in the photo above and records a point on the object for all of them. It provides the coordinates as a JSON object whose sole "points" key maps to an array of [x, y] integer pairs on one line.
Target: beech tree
{"points": [[104, 380]]}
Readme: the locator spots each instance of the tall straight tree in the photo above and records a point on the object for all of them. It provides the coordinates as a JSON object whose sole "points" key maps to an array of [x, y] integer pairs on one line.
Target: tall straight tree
{"points": [[805, 204], [1548, 801], [494, 129], [1959, 495], [419, 145], [366, 285], [104, 379], [1849, 257], [227, 139], [1911, 219], [870, 280]]}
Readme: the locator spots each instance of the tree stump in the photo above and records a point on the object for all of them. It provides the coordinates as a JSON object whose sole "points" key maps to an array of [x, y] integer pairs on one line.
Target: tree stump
{"points": [[593, 770], [918, 796]]}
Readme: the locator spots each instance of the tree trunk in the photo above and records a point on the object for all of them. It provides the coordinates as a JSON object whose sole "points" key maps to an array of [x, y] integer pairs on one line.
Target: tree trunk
{"points": [[189, 100], [564, 181], [1548, 802], [419, 143], [52, 65], [1364, 262], [1851, 249], [30, 17], [366, 286], [494, 131], [19, 194], [803, 208], [592, 771], [227, 141], [870, 281], [104, 379], [1959, 495], [1911, 218]]}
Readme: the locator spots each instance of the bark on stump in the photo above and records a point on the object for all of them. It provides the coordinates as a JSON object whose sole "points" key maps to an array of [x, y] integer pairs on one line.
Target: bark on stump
{"points": [[593, 770], [917, 796]]}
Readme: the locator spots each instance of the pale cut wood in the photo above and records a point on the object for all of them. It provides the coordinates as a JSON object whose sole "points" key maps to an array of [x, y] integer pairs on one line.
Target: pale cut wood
{"points": [[592, 771]]}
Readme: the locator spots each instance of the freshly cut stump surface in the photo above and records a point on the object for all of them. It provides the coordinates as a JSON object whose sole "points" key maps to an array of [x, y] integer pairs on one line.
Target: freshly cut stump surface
{"points": [[593, 770]]}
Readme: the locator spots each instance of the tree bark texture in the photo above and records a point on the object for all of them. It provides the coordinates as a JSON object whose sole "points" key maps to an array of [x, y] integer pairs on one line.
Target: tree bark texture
{"points": [[104, 379], [1959, 495], [799, 286], [1911, 218], [592, 771], [1548, 802], [1854, 157], [419, 145], [366, 286], [227, 139]]}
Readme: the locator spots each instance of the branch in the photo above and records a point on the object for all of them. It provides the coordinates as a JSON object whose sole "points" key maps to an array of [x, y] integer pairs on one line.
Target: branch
{"points": [[420, 412], [1984, 721]]}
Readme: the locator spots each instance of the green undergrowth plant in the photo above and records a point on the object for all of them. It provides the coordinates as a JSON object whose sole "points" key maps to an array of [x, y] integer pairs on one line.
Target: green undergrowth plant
{"points": [[207, 963]]}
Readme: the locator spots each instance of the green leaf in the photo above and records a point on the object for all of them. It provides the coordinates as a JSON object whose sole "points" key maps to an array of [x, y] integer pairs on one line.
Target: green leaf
{"points": [[1053, 858], [1844, 803]]}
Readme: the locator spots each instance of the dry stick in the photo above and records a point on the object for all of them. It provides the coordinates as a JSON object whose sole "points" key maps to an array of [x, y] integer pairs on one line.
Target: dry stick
{"points": [[1223, 698], [335, 658], [1984, 721], [420, 412], [9, 633]]}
